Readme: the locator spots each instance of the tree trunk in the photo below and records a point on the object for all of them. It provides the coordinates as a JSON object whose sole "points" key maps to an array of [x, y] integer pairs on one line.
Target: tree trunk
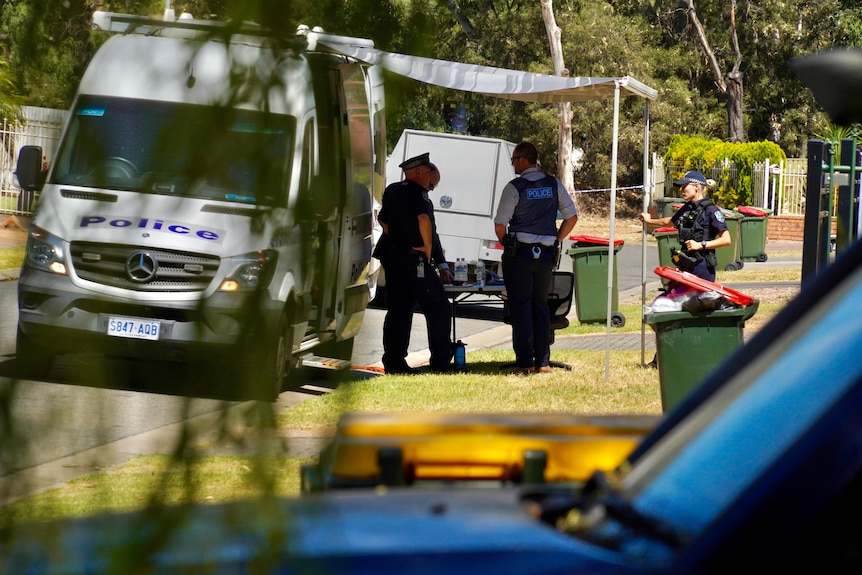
{"points": [[735, 128], [463, 22], [564, 141], [732, 88]]}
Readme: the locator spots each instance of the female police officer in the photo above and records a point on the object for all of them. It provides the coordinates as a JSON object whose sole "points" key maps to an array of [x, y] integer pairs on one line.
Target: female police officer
{"points": [[701, 227]]}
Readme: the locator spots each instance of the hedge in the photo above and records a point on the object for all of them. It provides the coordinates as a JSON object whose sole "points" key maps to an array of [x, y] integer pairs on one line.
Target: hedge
{"points": [[693, 153]]}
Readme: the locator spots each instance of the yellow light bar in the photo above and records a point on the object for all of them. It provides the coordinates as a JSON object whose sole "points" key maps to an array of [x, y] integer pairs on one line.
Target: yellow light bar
{"points": [[482, 446]]}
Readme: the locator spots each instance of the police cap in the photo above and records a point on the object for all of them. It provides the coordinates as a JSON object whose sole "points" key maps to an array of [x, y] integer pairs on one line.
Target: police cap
{"points": [[416, 161], [692, 177]]}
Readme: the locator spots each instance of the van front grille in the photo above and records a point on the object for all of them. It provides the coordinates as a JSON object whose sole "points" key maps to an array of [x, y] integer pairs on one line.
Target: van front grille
{"points": [[143, 269]]}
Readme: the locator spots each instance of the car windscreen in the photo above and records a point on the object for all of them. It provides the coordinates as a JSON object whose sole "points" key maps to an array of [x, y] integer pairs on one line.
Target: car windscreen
{"points": [[178, 149]]}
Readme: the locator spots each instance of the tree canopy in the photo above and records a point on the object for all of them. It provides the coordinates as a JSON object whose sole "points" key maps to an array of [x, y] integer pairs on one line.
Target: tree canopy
{"points": [[47, 44]]}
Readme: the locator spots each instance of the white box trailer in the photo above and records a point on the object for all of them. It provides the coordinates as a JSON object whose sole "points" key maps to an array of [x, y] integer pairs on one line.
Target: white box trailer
{"points": [[473, 171]]}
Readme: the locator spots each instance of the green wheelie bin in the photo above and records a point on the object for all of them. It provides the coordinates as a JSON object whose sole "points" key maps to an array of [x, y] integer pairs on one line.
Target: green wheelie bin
{"points": [[665, 207], [689, 346], [729, 257], [590, 265], [666, 239], [753, 233]]}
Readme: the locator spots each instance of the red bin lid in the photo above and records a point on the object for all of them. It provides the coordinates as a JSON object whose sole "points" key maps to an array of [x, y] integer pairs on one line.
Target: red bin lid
{"points": [[701, 284], [595, 241], [664, 230], [750, 211]]}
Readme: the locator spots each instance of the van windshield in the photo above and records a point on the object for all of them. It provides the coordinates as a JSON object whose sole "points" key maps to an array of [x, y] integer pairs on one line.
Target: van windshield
{"points": [[177, 149]]}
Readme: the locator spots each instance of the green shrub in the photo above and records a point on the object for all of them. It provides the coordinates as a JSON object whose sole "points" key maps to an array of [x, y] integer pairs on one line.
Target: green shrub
{"points": [[715, 158]]}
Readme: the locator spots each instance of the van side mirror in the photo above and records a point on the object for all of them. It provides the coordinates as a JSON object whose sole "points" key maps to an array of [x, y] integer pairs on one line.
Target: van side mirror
{"points": [[28, 170]]}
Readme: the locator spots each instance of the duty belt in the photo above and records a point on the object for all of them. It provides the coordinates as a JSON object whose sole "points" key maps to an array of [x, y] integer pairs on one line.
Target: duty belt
{"points": [[536, 248], [539, 244]]}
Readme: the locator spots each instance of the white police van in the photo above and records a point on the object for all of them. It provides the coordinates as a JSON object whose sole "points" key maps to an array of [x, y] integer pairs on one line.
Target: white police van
{"points": [[211, 198]]}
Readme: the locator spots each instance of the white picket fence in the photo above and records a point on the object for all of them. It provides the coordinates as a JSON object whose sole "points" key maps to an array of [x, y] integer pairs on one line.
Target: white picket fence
{"points": [[39, 127]]}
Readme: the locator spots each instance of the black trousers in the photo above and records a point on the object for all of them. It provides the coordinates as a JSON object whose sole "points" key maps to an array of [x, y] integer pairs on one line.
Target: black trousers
{"points": [[528, 283], [403, 291], [703, 271]]}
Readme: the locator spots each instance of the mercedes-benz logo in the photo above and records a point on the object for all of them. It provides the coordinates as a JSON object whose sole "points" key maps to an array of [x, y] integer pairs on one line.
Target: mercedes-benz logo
{"points": [[141, 267], [445, 201]]}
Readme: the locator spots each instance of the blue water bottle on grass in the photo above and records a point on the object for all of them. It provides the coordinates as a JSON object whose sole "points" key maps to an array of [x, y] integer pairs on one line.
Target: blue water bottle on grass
{"points": [[460, 354]]}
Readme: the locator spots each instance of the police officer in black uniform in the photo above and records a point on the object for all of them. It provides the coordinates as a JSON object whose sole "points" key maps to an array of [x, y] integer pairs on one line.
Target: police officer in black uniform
{"points": [[408, 251], [526, 222], [701, 224]]}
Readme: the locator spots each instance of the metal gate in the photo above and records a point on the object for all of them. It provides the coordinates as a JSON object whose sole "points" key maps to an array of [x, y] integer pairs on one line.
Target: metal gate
{"points": [[832, 190], [791, 197]]}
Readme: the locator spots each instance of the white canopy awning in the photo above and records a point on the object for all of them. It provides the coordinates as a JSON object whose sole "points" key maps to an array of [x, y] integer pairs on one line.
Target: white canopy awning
{"points": [[497, 82]]}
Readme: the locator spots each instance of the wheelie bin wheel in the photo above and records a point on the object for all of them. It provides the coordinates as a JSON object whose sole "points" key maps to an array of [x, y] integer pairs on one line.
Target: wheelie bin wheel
{"points": [[617, 319], [761, 257], [732, 267], [740, 264]]}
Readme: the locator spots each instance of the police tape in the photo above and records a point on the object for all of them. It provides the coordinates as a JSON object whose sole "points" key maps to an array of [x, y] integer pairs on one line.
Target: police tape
{"points": [[640, 187]]}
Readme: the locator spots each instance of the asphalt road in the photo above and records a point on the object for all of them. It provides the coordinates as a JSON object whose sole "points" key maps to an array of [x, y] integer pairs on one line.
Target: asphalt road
{"points": [[83, 404]]}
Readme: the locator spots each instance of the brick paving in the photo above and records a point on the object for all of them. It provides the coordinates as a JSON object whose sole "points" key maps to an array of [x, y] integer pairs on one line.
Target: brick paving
{"points": [[598, 342]]}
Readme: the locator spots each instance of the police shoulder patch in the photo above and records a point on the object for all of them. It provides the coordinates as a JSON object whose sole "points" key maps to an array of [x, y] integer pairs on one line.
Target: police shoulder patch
{"points": [[719, 216]]}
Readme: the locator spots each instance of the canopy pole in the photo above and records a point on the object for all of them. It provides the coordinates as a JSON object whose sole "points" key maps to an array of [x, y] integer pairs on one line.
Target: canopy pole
{"points": [[646, 202], [613, 224]]}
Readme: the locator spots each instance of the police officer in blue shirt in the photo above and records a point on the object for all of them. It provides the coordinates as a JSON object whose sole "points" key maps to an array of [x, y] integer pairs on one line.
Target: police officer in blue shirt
{"points": [[701, 224], [408, 251], [526, 222]]}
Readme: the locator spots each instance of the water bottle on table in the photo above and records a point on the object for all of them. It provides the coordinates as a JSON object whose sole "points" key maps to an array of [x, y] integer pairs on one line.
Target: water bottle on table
{"points": [[460, 271]]}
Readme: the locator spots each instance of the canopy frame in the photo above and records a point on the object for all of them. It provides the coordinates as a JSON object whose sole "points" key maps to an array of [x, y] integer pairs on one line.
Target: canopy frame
{"points": [[530, 87]]}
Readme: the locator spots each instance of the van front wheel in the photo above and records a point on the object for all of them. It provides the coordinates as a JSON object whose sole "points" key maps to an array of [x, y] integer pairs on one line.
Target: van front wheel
{"points": [[267, 363]]}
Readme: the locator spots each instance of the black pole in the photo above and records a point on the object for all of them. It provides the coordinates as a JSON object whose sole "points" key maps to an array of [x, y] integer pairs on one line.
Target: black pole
{"points": [[855, 192], [844, 224], [813, 193]]}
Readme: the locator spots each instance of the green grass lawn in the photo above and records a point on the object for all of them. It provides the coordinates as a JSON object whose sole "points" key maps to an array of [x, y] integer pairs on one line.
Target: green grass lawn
{"points": [[151, 480], [484, 389], [11, 258]]}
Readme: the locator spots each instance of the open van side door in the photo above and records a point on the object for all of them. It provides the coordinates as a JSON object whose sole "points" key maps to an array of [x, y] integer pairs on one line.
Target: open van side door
{"points": [[341, 197], [356, 226]]}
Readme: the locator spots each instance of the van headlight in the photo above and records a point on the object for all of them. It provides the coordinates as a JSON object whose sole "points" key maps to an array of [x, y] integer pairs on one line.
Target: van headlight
{"points": [[251, 271], [45, 251]]}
